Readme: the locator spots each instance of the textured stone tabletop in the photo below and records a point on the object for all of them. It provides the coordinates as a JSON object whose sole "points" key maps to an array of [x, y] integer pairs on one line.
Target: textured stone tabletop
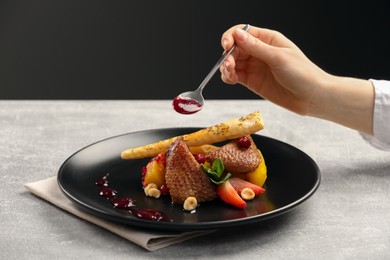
{"points": [[347, 218]]}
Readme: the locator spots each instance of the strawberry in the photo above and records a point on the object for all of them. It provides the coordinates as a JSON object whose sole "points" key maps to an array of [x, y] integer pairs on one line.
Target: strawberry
{"points": [[240, 184], [228, 194]]}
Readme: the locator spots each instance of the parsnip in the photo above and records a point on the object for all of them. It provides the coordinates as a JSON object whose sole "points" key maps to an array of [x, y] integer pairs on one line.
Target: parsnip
{"points": [[231, 129]]}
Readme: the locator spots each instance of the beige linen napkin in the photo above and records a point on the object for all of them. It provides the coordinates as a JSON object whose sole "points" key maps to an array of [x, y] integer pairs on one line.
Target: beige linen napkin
{"points": [[149, 239]]}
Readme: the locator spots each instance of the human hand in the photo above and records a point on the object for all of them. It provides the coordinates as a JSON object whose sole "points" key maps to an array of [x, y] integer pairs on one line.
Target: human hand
{"points": [[272, 66]]}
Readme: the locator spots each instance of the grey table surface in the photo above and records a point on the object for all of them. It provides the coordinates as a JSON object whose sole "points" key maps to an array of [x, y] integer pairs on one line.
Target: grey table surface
{"points": [[347, 218]]}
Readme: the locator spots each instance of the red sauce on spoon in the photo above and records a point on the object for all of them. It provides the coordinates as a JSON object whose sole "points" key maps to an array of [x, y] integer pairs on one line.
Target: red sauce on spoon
{"points": [[185, 105]]}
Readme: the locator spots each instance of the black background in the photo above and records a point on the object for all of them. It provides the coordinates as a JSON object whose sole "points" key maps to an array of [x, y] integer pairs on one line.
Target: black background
{"points": [[155, 49]]}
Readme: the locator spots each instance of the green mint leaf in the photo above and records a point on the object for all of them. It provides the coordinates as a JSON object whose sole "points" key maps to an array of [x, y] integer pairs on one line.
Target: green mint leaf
{"points": [[210, 173], [213, 175], [221, 181], [216, 171], [218, 166]]}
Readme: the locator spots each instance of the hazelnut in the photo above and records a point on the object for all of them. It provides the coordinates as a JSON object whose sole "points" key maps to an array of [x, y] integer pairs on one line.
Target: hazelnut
{"points": [[154, 192], [190, 203], [148, 187], [247, 194]]}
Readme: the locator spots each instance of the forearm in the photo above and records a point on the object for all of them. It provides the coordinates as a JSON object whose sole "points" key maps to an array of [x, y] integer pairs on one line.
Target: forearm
{"points": [[346, 101]]}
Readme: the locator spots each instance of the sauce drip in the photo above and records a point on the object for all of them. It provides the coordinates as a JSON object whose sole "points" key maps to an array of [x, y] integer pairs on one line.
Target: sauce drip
{"points": [[128, 203], [184, 105], [149, 214], [122, 203]]}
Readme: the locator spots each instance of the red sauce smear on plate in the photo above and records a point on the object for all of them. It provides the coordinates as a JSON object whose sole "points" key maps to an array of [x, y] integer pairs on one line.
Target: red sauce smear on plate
{"points": [[128, 203]]}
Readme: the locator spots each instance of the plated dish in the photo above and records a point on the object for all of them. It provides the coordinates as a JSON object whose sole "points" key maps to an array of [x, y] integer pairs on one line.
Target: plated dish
{"points": [[292, 178]]}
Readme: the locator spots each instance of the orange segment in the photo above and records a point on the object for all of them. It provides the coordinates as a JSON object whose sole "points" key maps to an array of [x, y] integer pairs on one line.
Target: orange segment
{"points": [[155, 171], [259, 175]]}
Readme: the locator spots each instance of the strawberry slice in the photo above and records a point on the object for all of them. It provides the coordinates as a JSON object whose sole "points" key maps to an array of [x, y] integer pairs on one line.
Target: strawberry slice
{"points": [[228, 194], [240, 184]]}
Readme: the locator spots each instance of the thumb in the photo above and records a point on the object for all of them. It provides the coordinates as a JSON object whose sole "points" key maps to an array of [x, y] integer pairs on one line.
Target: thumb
{"points": [[252, 45]]}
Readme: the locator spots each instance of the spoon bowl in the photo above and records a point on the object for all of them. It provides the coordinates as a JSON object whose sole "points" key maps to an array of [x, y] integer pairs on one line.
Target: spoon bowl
{"points": [[191, 102]]}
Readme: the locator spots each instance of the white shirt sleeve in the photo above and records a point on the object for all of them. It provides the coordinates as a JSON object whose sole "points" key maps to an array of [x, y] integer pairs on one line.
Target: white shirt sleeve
{"points": [[381, 117]]}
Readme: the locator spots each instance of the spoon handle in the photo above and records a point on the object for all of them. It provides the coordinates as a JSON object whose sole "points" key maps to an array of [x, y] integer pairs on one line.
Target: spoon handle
{"points": [[219, 62]]}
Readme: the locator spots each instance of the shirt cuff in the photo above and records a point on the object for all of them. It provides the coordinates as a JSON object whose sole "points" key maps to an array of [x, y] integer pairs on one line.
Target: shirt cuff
{"points": [[381, 116]]}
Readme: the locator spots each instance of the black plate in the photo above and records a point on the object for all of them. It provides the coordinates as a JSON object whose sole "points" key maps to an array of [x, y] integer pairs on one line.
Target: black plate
{"points": [[292, 178]]}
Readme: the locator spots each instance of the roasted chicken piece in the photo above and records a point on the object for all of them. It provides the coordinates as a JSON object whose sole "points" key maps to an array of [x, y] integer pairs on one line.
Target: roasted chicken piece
{"points": [[185, 177], [237, 159]]}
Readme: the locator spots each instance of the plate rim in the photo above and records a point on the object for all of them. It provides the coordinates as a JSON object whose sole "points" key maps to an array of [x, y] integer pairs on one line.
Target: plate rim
{"points": [[182, 226]]}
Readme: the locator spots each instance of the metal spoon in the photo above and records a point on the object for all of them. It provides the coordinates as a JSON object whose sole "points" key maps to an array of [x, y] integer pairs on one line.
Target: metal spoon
{"points": [[192, 101]]}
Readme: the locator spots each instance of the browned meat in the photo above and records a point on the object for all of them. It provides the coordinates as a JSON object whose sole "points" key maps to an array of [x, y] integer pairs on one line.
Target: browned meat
{"points": [[185, 177], [237, 159]]}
